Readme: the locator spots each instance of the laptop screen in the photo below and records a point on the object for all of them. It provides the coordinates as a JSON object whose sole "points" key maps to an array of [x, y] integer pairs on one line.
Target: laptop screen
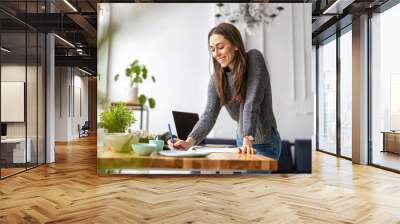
{"points": [[184, 123], [3, 129]]}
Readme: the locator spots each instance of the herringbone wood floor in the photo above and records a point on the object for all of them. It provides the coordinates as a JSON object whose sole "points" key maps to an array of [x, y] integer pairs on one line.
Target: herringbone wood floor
{"points": [[69, 191]]}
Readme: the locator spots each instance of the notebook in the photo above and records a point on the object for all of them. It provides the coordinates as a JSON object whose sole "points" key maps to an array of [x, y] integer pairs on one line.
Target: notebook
{"points": [[212, 149], [180, 153], [198, 151]]}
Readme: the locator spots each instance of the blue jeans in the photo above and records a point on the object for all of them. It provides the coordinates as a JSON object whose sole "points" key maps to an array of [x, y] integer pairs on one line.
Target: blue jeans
{"points": [[270, 149]]}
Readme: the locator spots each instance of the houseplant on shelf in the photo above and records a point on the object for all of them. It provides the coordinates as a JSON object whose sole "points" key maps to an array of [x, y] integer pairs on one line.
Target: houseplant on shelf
{"points": [[137, 73], [116, 120]]}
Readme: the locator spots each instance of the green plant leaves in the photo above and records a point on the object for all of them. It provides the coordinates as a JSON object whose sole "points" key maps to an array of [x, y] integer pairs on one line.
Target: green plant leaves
{"points": [[117, 118], [134, 63], [137, 79], [128, 72], [144, 72], [136, 69], [142, 99], [152, 103], [137, 73]]}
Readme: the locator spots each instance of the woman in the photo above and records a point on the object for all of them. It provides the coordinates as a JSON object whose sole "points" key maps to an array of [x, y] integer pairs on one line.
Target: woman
{"points": [[241, 83]]}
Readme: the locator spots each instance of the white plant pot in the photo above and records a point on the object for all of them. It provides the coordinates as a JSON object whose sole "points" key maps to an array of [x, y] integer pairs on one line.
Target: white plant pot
{"points": [[133, 95], [120, 142]]}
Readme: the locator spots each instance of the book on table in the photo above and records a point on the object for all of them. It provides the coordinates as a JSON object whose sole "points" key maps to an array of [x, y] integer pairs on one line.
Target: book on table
{"points": [[198, 151]]}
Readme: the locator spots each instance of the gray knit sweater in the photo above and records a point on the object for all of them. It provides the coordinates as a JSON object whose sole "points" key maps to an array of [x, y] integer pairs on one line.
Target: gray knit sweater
{"points": [[254, 115]]}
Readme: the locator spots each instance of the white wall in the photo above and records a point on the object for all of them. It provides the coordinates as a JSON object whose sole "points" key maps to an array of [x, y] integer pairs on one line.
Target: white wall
{"points": [[171, 40], [68, 83], [288, 53], [33, 126], [81, 108], [16, 73], [61, 103]]}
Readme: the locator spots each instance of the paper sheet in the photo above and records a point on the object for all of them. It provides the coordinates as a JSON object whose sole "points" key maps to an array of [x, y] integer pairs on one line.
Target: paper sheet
{"points": [[206, 149], [179, 153]]}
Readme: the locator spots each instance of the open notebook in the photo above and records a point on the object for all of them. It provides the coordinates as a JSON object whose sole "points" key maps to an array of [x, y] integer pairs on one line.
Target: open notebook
{"points": [[211, 149], [197, 151]]}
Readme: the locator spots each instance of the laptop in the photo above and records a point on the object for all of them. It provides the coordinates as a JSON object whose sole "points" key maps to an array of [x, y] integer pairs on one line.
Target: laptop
{"points": [[3, 131], [184, 123]]}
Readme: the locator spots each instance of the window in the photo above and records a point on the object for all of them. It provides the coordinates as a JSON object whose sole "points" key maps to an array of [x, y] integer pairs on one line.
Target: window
{"points": [[327, 96], [346, 94], [385, 88], [22, 66]]}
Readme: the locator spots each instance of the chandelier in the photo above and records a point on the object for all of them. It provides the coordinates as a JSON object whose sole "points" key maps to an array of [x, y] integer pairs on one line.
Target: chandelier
{"points": [[248, 16]]}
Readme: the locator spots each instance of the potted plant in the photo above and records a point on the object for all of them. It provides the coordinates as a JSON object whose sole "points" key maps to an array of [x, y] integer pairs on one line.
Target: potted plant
{"points": [[137, 73], [116, 120], [144, 136]]}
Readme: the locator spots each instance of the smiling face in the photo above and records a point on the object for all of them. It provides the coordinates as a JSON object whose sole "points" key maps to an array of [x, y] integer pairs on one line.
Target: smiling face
{"points": [[222, 51]]}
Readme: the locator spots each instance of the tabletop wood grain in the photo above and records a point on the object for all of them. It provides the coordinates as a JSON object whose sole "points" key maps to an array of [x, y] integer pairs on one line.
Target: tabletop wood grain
{"points": [[109, 159]]}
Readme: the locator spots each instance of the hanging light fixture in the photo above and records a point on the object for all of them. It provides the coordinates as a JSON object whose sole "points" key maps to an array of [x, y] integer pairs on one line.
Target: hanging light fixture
{"points": [[248, 16], [5, 49]]}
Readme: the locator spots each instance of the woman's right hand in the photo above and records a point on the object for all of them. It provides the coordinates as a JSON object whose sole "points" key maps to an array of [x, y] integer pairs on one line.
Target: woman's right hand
{"points": [[180, 144]]}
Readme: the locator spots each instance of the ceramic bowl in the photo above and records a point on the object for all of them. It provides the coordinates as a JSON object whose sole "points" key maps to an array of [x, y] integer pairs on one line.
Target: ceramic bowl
{"points": [[158, 143], [144, 149]]}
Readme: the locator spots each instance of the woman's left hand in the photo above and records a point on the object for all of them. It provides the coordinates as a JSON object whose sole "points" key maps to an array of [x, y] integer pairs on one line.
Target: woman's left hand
{"points": [[247, 147]]}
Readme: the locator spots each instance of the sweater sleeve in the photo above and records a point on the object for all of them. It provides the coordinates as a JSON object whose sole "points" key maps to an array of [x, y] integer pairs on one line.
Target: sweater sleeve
{"points": [[257, 74], [208, 118]]}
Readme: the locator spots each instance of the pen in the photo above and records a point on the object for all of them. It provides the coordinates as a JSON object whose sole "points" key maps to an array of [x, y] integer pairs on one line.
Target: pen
{"points": [[170, 134]]}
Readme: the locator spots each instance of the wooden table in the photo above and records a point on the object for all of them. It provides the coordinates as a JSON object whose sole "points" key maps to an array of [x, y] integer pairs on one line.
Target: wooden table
{"points": [[108, 159]]}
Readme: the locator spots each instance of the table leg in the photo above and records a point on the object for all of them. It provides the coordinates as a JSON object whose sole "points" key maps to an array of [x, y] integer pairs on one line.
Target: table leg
{"points": [[141, 117], [147, 118]]}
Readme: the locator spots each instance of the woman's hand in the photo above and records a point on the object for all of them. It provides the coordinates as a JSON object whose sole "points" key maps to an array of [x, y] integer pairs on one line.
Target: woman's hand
{"points": [[247, 147], [181, 144]]}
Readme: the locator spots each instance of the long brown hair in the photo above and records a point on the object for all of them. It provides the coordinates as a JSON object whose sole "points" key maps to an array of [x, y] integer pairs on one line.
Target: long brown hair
{"points": [[232, 34]]}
